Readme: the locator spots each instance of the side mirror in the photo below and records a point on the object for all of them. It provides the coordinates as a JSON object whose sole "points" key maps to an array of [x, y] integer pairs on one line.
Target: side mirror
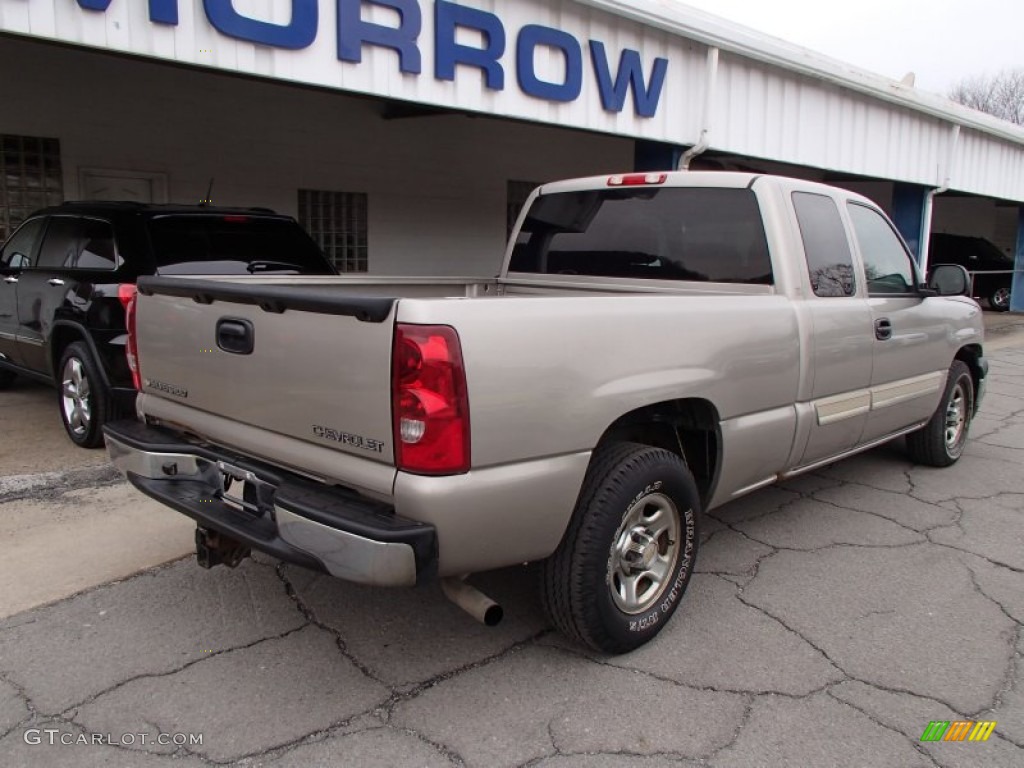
{"points": [[950, 280]]}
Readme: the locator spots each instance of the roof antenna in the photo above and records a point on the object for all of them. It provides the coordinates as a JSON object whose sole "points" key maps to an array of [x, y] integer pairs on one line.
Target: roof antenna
{"points": [[209, 194]]}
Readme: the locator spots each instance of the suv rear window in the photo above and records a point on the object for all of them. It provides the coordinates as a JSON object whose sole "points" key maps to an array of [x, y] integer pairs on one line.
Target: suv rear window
{"points": [[706, 235], [218, 244]]}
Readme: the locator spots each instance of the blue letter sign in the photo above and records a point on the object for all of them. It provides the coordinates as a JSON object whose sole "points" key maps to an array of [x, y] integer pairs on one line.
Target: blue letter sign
{"points": [[631, 71], [447, 53], [160, 11], [450, 18], [299, 33], [530, 37], [353, 32]]}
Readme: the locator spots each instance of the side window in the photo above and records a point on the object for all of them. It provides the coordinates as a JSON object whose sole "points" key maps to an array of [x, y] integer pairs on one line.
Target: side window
{"points": [[97, 246], [829, 261], [887, 265], [20, 249], [60, 245]]}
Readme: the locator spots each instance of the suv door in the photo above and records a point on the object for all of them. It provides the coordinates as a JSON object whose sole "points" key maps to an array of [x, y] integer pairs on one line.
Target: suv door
{"points": [[839, 343], [910, 358], [17, 254], [42, 289]]}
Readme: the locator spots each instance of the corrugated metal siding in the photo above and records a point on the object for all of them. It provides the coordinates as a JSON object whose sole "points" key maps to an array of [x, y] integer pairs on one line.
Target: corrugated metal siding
{"points": [[770, 103], [988, 167], [766, 112]]}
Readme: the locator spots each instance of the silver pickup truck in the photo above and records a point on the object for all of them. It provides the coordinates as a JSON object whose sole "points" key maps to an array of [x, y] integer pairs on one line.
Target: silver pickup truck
{"points": [[654, 346]]}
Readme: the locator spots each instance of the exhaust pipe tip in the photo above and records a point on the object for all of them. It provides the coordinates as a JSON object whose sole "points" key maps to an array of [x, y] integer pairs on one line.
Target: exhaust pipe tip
{"points": [[472, 601], [493, 615]]}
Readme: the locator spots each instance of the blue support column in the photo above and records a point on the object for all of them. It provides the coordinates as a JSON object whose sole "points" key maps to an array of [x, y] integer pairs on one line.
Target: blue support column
{"points": [[1017, 289], [655, 156], [908, 214]]}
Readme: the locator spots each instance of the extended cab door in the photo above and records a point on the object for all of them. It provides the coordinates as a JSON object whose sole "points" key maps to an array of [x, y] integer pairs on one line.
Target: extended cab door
{"points": [[910, 358], [17, 254], [839, 340]]}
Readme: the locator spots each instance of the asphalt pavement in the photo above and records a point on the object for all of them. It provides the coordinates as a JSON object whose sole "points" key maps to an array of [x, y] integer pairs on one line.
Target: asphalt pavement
{"points": [[831, 619]]}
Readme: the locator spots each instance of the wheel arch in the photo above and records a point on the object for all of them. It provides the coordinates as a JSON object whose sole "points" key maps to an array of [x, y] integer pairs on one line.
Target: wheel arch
{"points": [[687, 427], [971, 356], [66, 333]]}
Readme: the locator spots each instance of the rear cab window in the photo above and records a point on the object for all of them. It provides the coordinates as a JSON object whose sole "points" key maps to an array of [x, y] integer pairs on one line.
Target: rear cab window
{"points": [[826, 248], [666, 233], [226, 244]]}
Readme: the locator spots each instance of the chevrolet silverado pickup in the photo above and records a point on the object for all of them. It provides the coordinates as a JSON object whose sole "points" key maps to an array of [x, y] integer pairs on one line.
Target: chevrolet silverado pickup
{"points": [[655, 345]]}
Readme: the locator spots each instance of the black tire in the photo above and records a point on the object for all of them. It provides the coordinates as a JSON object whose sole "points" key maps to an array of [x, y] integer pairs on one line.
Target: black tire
{"points": [[584, 589], [999, 299], [941, 441], [7, 378], [85, 404]]}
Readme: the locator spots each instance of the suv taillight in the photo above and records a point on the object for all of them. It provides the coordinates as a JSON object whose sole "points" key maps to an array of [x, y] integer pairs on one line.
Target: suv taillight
{"points": [[429, 403], [127, 293]]}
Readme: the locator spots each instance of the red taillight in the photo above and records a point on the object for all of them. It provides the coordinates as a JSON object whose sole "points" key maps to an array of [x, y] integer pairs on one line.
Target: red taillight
{"points": [[236, 219], [429, 403], [127, 293], [637, 179]]}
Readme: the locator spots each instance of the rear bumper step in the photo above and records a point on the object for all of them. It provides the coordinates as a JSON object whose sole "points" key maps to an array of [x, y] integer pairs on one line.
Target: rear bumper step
{"points": [[325, 528]]}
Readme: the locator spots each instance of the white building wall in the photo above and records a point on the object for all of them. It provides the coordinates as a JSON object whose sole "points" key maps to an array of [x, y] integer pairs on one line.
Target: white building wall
{"points": [[436, 185], [763, 111]]}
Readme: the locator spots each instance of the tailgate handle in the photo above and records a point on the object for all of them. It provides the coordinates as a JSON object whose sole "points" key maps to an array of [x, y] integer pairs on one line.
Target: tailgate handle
{"points": [[235, 335]]}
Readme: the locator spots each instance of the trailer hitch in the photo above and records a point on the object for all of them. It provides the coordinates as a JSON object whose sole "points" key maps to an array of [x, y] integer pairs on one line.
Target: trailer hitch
{"points": [[214, 548]]}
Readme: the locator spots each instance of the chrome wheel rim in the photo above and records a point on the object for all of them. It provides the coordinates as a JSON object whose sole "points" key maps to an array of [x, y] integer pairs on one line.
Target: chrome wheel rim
{"points": [[75, 398], [1001, 298], [956, 418], [644, 553]]}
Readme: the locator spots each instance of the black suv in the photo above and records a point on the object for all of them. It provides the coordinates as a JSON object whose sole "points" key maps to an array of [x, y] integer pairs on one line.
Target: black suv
{"points": [[68, 273], [975, 254]]}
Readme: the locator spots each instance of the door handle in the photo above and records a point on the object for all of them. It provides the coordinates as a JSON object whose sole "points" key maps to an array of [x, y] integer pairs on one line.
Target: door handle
{"points": [[883, 329], [55, 281], [235, 335], [10, 279]]}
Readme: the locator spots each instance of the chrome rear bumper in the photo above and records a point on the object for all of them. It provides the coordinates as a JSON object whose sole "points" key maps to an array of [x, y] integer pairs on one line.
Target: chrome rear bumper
{"points": [[318, 526]]}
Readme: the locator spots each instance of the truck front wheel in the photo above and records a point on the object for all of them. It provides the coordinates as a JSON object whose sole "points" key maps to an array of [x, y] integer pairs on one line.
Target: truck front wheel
{"points": [[626, 559], [941, 441]]}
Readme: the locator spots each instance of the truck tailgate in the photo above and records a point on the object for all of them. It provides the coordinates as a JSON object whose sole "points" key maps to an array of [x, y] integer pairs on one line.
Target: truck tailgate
{"points": [[311, 362]]}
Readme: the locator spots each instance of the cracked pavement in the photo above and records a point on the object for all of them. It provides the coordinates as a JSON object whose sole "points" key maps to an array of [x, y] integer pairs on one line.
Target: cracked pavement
{"points": [[830, 620]]}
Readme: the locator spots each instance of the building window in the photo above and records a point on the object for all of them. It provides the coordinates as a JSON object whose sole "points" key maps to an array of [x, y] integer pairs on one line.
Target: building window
{"points": [[338, 223], [516, 197], [30, 178]]}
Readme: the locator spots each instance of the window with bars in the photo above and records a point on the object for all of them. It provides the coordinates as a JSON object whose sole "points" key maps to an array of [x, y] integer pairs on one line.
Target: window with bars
{"points": [[338, 222], [30, 178], [517, 195]]}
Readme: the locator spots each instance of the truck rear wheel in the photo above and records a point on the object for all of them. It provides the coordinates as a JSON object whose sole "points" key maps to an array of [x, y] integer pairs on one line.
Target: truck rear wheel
{"points": [[941, 441], [626, 559]]}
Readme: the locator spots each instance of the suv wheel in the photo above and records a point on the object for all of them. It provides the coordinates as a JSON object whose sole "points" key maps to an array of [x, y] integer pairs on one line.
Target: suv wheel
{"points": [[7, 378], [84, 402], [1000, 299]]}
